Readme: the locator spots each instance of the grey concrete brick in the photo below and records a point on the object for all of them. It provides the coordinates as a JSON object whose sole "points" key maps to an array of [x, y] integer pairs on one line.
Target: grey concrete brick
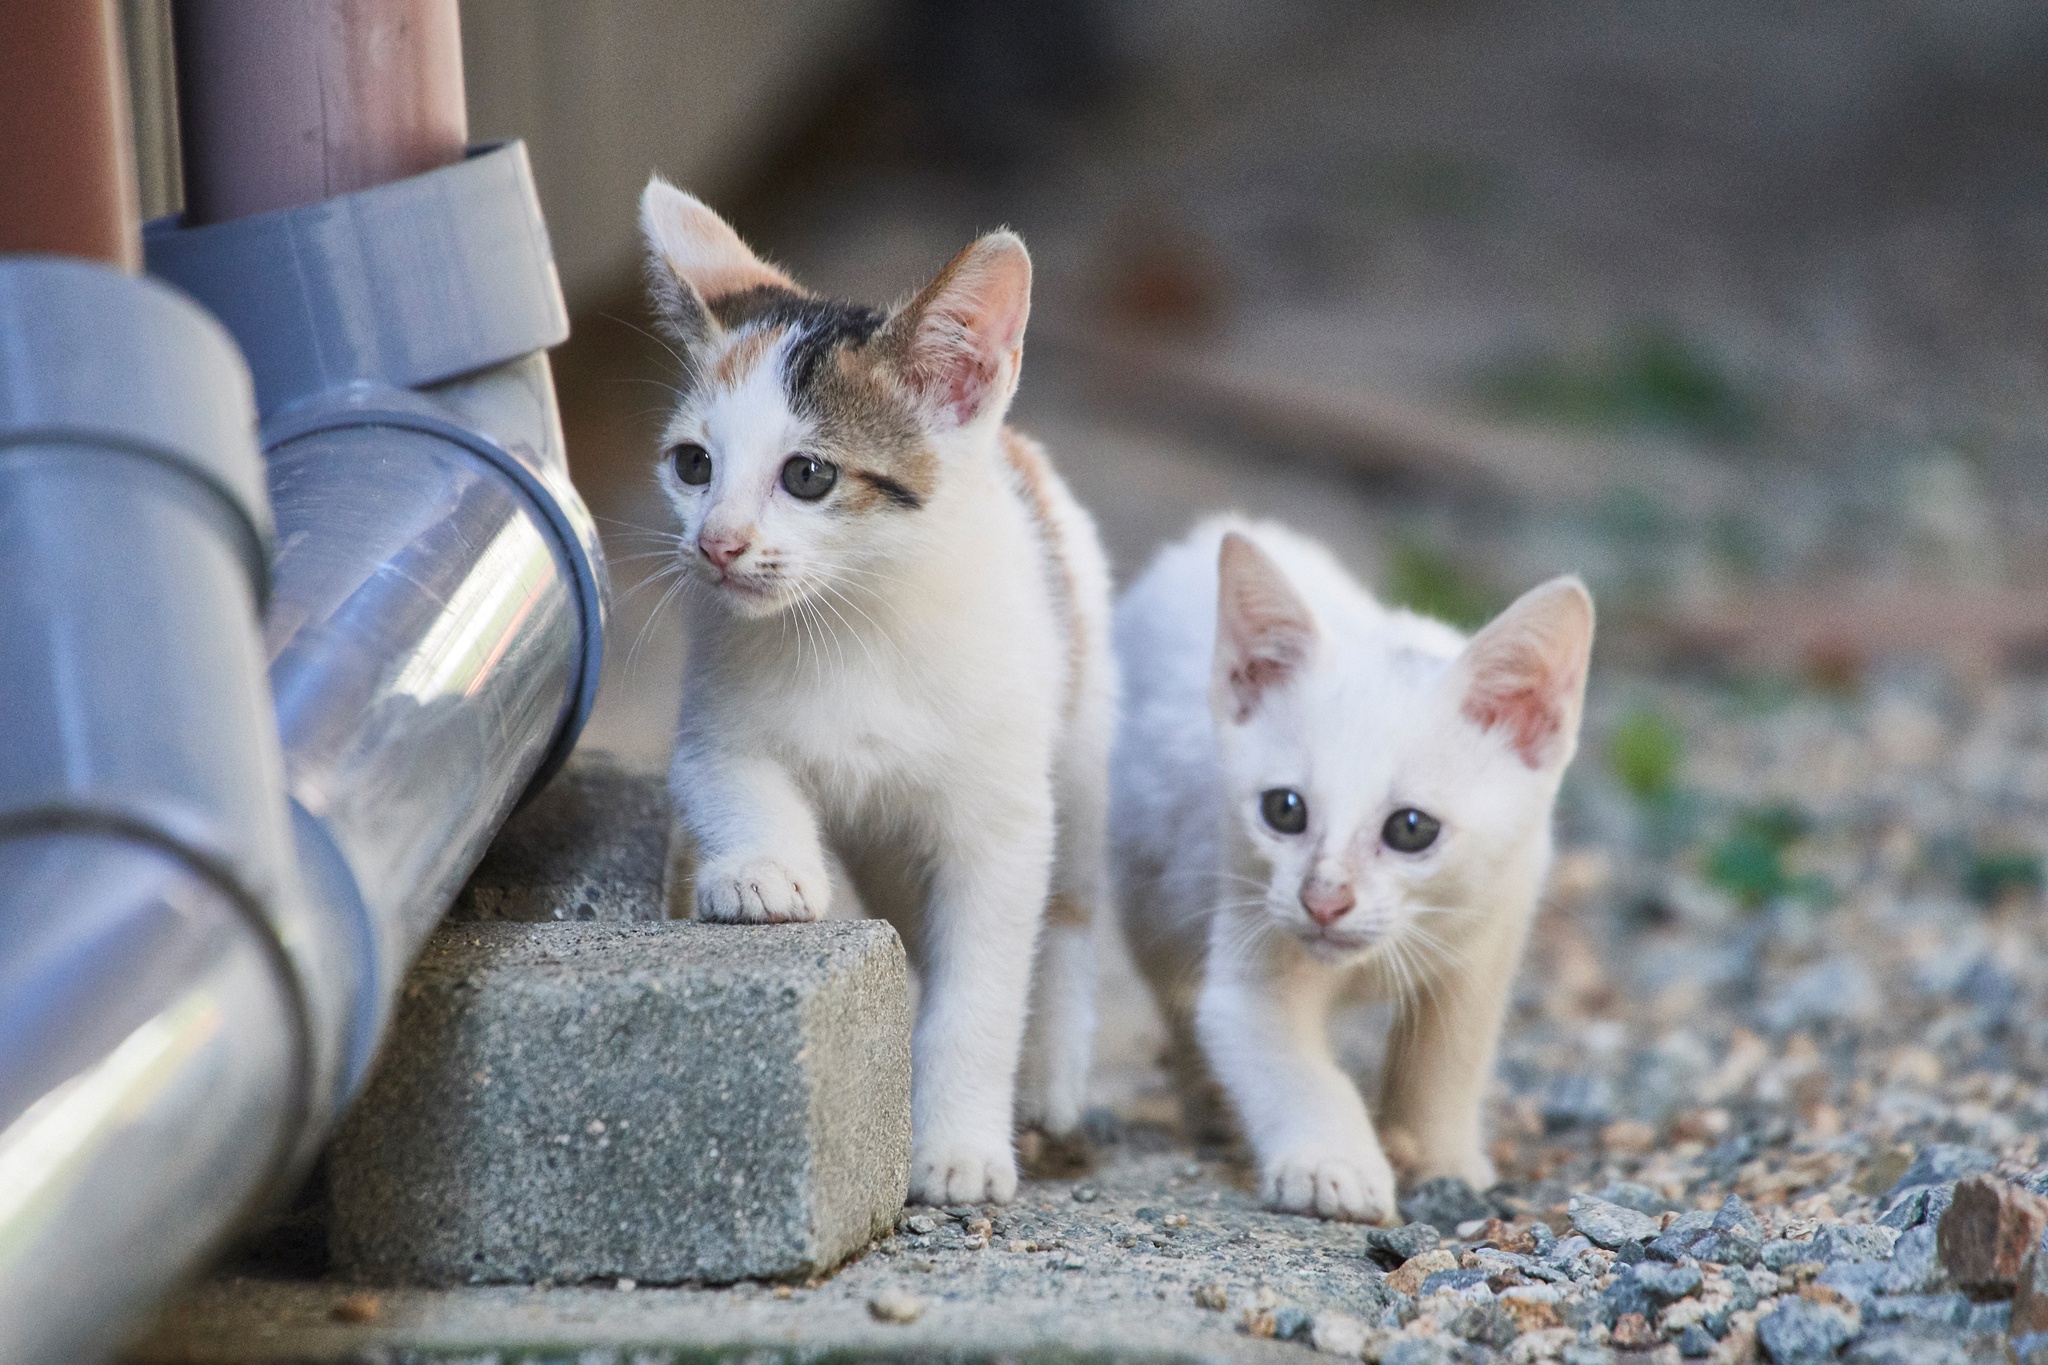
{"points": [[592, 845], [669, 1102]]}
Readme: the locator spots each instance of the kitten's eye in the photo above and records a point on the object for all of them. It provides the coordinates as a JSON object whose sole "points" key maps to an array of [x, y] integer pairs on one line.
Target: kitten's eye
{"points": [[1284, 810], [808, 477], [692, 462], [1410, 831]]}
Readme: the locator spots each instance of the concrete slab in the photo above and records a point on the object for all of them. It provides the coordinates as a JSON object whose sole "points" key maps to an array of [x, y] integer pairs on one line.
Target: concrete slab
{"points": [[593, 845], [669, 1102]]}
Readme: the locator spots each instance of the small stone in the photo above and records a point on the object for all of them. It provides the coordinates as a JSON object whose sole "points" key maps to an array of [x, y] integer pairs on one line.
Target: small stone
{"points": [[1939, 1163], [977, 1227], [1416, 1269], [1459, 1281], [1531, 1314], [1943, 1310], [2030, 1297], [1444, 1202], [1990, 1318], [1019, 1244], [1694, 1342], [783, 1291], [1667, 1283], [1174, 1221], [626, 1283], [1988, 1232], [1632, 1331], [922, 1224], [1430, 1350], [1086, 1194], [1854, 1242], [1906, 1348], [1393, 1246], [1780, 1252], [1609, 1225], [1631, 1195], [1803, 1333], [1489, 1324], [1290, 1322], [1212, 1296], [357, 1308], [892, 1305], [1337, 1334]]}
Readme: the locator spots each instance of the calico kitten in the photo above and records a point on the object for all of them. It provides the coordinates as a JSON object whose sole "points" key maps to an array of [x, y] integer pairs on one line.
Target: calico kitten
{"points": [[1316, 796], [899, 689]]}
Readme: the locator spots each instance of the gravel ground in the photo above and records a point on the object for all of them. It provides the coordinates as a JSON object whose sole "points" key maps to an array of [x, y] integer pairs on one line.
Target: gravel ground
{"points": [[1772, 1090]]}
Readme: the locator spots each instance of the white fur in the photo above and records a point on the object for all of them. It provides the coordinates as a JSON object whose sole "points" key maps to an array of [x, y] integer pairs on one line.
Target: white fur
{"points": [[880, 710], [1368, 721]]}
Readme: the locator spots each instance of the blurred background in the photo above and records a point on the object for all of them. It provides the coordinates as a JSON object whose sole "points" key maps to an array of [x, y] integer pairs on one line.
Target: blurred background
{"points": [[1740, 311]]}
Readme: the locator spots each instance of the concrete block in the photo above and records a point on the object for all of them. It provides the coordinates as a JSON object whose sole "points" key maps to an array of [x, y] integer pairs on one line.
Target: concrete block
{"points": [[669, 1102], [593, 845]]}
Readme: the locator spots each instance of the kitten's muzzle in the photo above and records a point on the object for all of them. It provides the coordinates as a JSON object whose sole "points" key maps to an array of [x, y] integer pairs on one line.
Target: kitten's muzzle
{"points": [[1327, 902], [723, 547]]}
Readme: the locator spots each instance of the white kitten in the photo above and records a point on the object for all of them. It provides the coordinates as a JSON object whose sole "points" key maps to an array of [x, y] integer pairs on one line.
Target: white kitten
{"points": [[899, 688], [1314, 796]]}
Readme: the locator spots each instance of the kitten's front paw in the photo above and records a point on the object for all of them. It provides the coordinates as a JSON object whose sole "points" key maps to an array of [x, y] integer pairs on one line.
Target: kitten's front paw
{"points": [[1355, 1186], [963, 1173], [759, 891]]}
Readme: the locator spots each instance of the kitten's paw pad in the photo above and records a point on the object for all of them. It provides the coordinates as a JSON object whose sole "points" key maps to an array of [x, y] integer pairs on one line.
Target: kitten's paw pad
{"points": [[963, 1173], [1356, 1189], [759, 891]]}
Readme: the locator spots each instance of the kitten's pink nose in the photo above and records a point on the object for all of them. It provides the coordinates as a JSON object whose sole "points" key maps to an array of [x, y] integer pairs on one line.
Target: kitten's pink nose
{"points": [[723, 547], [1327, 902]]}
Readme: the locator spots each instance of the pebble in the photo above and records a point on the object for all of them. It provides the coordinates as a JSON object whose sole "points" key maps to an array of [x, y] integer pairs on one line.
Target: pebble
{"points": [[1803, 1333], [1413, 1272], [1854, 1242], [1444, 1202], [1988, 1231], [1214, 1297], [894, 1306], [1337, 1334], [1943, 1163], [1391, 1246], [1610, 1225]]}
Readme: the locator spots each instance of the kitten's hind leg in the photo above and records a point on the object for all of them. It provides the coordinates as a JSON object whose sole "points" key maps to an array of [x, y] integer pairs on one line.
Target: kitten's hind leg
{"points": [[1052, 1079]]}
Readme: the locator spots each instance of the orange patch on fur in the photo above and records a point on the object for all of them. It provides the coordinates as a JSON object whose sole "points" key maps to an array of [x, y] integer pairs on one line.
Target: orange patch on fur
{"points": [[1027, 458], [744, 355]]}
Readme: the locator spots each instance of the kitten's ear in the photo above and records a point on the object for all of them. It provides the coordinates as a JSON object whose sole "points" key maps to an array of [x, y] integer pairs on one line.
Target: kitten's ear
{"points": [[960, 342], [1525, 673], [694, 255], [1264, 631]]}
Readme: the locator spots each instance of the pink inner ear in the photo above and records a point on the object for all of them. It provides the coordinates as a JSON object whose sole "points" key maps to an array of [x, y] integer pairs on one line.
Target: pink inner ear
{"points": [[1526, 710], [957, 382]]}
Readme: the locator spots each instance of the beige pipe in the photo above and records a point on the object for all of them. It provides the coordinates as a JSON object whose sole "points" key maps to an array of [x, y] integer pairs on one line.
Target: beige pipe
{"points": [[67, 166], [289, 102]]}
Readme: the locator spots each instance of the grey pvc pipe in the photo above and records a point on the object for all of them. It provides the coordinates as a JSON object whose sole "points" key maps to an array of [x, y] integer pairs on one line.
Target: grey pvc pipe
{"points": [[437, 634], [165, 1031], [200, 936]]}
